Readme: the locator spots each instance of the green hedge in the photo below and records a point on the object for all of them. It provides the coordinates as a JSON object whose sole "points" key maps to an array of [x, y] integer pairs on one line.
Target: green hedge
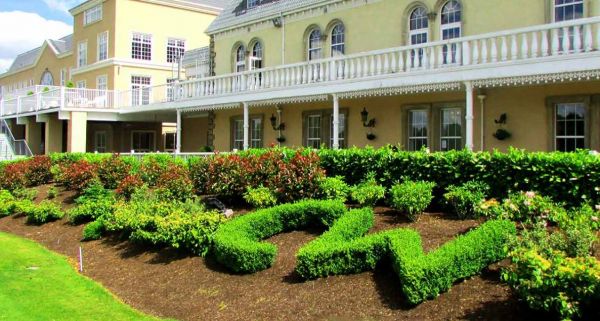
{"points": [[424, 276], [237, 243], [565, 177]]}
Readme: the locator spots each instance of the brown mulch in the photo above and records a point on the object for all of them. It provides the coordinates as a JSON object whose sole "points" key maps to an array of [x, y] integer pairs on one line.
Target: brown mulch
{"points": [[170, 283]]}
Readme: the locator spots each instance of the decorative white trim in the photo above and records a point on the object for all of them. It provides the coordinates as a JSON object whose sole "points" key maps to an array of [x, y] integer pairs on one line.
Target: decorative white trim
{"points": [[291, 100], [415, 89], [123, 63], [84, 6], [208, 108], [563, 77]]}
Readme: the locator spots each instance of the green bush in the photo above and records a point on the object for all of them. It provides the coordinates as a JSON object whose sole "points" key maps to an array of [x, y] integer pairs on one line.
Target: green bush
{"points": [[424, 276], [412, 198], [7, 203], [52, 192], [113, 170], [25, 193], [260, 197], [238, 246], [367, 193], [44, 212], [91, 210], [93, 231], [464, 199], [333, 188], [530, 207], [95, 192]]}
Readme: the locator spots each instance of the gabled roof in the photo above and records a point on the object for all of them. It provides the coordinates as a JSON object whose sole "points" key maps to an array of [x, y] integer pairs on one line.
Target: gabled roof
{"points": [[236, 12], [29, 58], [196, 56]]}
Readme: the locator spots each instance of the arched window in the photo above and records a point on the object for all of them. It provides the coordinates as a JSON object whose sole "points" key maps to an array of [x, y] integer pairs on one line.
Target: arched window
{"points": [[240, 59], [315, 48], [338, 40], [451, 28], [418, 26], [47, 79], [568, 10], [256, 56]]}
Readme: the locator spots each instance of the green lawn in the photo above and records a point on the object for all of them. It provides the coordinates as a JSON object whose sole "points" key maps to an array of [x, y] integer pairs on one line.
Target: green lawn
{"points": [[37, 284]]}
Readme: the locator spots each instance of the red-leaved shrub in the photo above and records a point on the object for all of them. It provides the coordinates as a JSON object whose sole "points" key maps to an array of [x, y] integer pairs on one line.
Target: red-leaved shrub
{"points": [[78, 175], [112, 171], [38, 171], [13, 176], [174, 182], [129, 185]]}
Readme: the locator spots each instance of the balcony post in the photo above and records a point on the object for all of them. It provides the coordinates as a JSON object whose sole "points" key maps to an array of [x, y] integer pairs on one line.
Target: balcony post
{"points": [[336, 122], [2, 106], [18, 105], [469, 115], [38, 101], [178, 133], [246, 126], [62, 97]]}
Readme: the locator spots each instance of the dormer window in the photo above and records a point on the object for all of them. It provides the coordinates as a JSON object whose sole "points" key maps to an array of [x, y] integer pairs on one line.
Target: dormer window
{"points": [[253, 3], [92, 15]]}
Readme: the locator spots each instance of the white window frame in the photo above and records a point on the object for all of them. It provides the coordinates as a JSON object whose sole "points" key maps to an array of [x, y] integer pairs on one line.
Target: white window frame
{"points": [[92, 14], [341, 44], [97, 147], [170, 150], [256, 124], [99, 55], [176, 45], [252, 4], [144, 38], [318, 48], [310, 141], [102, 80], [256, 61], [238, 134], [63, 77], [556, 7], [81, 84], [82, 56], [419, 31], [461, 122], [581, 105], [341, 128], [450, 26], [410, 135], [240, 61], [153, 132], [140, 87]]}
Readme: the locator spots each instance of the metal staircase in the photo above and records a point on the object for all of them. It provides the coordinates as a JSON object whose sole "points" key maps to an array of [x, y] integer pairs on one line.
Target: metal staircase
{"points": [[11, 148]]}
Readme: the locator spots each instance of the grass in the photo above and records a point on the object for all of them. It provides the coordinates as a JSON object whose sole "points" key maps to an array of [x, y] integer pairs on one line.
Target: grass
{"points": [[37, 284]]}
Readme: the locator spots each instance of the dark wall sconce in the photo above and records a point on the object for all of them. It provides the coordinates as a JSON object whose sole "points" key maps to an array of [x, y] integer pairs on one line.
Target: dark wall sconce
{"points": [[278, 125], [364, 116], [275, 125]]}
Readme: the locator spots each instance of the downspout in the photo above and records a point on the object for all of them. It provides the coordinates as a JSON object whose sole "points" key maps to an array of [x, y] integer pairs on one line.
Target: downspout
{"points": [[482, 98], [282, 38]]}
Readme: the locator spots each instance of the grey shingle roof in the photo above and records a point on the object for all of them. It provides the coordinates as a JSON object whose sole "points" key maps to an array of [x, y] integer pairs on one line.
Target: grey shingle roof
{"points": [[64, 44], [28, 58], [235, 12], [199, 55], [219, 4]]}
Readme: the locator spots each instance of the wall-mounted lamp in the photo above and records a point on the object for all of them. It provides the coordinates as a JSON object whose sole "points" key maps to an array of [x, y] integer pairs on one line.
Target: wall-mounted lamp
{"points": [[364, 116], [277, 22], [277, 124]]}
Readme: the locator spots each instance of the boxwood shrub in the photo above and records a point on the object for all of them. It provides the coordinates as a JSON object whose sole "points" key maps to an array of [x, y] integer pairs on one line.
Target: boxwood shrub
{"points": [[238, 246], [412, 198]]}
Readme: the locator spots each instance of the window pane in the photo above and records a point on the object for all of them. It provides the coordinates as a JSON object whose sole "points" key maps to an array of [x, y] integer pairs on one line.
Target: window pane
{"points": [[314, 131], [451, 135], [417, 129], [570, 126]]}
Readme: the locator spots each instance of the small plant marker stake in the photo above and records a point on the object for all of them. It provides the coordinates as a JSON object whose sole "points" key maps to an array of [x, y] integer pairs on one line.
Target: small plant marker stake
{"points": [[80, 259]]}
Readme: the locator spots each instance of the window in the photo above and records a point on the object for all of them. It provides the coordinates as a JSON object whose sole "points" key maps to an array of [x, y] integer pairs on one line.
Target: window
{"points": [[256, 132], [240, 59], [570, 123], [92, 15], [318, 132], [81, 84], [47, 79], [175, 50], [451, 131], [102, 82], [170, 141], [100, 142], [338, 40], [141, 46], [253, 3], [82, 54], [171, 89], [313, 131], [417, 129], [143, 141], [257, 56], [63, 77], [140, 90], [451, 28], [418, 34], [314, 45], [568, 10], [103, 46]]}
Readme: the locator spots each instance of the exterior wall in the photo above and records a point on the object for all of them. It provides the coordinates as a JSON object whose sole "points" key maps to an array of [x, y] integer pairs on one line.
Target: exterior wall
{"points": [[33, 135], [76, 141], [119, 135], [158, 76], [54, 133], [530, 118], [379, 24], [194, 133]]}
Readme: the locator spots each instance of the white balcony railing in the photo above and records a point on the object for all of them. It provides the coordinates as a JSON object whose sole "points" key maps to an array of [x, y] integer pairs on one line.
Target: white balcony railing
{"points": [[543, 43]]}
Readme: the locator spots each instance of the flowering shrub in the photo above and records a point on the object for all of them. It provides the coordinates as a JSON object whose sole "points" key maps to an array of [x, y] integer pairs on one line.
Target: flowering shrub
{"points": [[113, 170], [412, 198], [38, 170], [530, 207], [77, 176], [260, 197], [13, 176], [129, 185], [464, 199], [175, 183]]}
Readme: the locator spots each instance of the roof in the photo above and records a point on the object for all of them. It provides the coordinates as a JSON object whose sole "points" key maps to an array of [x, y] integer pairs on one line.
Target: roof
{"points": [[194, 56], [210, 3], [26, 59], [235, 13]]}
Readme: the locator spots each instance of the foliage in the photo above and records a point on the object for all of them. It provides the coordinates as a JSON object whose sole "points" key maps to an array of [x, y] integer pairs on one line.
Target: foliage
{"points": [[237, 243], [198, 168], [333, 188], [174, 183], [153, 165], [38, 170], [25, 193], [13, 176], [260, 197], [52, 192], [530, 207], [368, 192], [45, 211], [7, 203], [129, 185], [78, 175], [93, 231], [113, 170], [91, 210], [464, 199], [412, 198], [423, 276]]}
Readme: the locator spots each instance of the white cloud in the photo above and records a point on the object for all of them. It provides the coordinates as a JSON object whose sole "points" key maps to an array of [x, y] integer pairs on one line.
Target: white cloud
{"points": [[23, 31], [61, 5]]}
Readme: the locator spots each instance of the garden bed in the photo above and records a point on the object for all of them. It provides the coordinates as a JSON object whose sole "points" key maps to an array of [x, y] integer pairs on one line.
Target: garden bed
{"points": [[172, 283]]}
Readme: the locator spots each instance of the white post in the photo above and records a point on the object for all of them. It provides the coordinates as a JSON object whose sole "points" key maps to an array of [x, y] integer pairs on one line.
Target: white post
{"points": [[246, 126], [469, 117], [2, 106], [178, 133], [62, 97], [336, 122]]}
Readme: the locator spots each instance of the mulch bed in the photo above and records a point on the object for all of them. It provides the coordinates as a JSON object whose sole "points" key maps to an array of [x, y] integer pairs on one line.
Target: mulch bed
{"points": [[171, 283]]}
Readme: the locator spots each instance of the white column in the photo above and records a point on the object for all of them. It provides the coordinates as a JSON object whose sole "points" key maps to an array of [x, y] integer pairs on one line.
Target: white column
{"points": [[62, 97], [178, 133], [246, 126], [336, 122], [469, 115]]}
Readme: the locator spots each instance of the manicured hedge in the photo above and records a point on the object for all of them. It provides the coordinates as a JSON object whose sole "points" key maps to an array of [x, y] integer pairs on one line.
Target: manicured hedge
{"points": [[237, 244], [565, 177], [424, 276]]}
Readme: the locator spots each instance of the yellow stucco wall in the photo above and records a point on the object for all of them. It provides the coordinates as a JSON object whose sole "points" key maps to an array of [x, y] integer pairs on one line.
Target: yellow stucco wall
{"points": [[77, 128], [118, 135], [194, 133], [529, 117], [380, 24], [54, 133]]}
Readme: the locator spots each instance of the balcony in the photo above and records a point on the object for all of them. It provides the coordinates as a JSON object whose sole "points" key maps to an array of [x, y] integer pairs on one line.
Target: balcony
{"points": [[560, 50]]}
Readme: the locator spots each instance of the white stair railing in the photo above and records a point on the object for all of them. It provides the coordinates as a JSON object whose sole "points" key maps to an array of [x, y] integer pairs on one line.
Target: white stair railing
{"points": [[19, 147]]}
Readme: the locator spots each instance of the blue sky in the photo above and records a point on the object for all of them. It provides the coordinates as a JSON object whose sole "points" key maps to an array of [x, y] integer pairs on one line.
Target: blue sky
{"points": [[30, 22]]}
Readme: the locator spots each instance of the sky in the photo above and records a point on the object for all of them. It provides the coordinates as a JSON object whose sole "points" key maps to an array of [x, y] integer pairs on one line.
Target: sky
{"points": [[25, 24]]}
